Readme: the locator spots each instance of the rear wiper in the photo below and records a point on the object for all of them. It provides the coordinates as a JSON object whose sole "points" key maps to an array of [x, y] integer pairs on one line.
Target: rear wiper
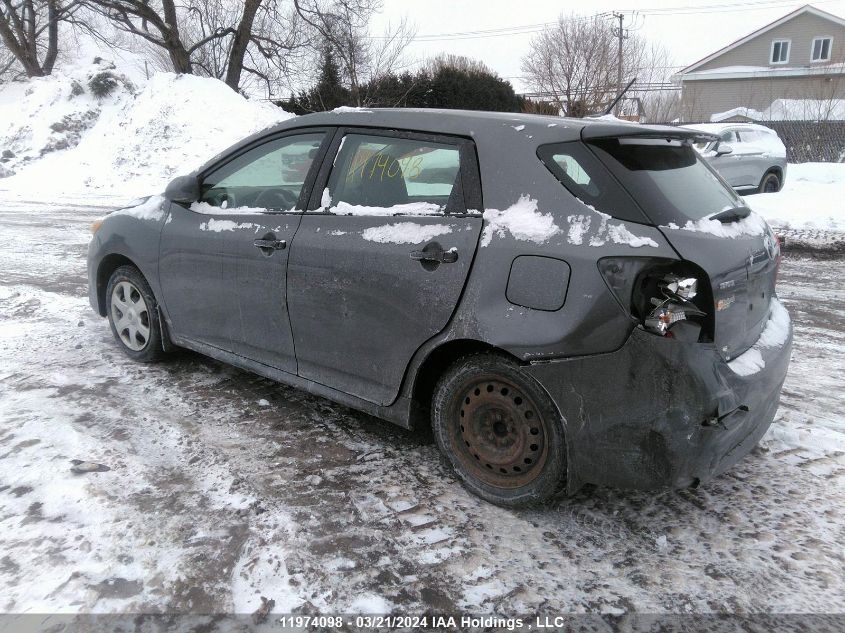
{"points": [[734, 214]]}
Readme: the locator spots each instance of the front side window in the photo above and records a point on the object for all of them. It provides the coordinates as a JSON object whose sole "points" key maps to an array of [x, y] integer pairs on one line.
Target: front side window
{"points": [[270, 176], [780, 51], [728, 136], [382, 172], [821, 49]]}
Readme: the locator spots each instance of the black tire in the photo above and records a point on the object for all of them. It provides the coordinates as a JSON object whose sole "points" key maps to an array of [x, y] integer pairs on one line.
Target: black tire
{"points": [[144, 319], [500, 431], [770, 183]]}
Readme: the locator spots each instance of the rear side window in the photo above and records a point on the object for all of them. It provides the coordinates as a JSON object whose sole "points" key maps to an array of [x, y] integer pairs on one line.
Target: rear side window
{"points": [[384, 172], [653, 181], [668, 179], [578, 169]]}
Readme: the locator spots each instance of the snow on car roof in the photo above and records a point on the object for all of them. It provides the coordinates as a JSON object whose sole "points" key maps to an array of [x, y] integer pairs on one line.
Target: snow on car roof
{"points": [[716, 128]]}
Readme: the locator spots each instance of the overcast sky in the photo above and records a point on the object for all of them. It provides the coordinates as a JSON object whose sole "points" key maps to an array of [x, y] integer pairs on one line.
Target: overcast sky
{"points": [[689, 29]]}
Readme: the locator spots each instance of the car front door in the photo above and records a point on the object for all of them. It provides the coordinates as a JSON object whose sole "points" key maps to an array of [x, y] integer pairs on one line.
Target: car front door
{"points": [[730, 166], [223, 260], [379, 266]]}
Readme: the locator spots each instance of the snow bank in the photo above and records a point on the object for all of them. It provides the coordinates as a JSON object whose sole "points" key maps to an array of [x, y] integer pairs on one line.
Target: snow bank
{"points": [[522, 220], [50, 114], [789, 110], [405, 233], [130, 143], [773, 335], [813, 197]]}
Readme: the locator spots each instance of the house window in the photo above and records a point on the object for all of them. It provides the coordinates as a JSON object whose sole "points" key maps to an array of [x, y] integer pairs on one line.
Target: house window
{"points": [[821, 49], [780, 51]]}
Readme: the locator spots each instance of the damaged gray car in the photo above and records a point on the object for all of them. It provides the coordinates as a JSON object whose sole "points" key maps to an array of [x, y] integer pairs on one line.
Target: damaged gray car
{"points": [[564, 302]]}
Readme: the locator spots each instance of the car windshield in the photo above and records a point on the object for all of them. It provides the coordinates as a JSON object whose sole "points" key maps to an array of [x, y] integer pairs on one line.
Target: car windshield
{"points": [[668, 179]]}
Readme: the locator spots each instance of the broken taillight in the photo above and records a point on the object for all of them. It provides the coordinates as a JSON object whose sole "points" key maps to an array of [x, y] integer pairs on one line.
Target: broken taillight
{"points": [[672, 303], [664, 297]]}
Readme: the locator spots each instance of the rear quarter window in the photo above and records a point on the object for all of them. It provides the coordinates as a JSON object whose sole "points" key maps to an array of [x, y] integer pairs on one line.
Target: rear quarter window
{"points": [[583, 175]]}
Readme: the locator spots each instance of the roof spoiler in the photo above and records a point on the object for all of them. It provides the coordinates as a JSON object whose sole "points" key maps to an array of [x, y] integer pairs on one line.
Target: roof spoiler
{"points": [[602, 129]]}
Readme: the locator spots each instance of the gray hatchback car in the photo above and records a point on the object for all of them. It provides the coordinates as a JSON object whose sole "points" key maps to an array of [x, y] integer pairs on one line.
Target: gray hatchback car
{"points": [[564, 301]]}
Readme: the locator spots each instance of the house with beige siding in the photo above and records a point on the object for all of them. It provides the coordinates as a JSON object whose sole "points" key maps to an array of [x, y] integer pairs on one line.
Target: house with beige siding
{"points": [[793, 68]]}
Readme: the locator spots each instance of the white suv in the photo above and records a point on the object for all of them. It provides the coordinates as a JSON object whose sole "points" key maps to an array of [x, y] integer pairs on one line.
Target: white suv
{"points": [[751, 157]]}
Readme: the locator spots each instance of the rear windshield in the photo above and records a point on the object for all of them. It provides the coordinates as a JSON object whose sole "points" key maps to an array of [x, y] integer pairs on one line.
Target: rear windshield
{"points": [[665, 180]]}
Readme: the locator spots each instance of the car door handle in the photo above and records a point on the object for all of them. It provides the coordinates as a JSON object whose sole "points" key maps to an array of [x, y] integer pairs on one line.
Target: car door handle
{"points": [[438, 255], [276, 245]]}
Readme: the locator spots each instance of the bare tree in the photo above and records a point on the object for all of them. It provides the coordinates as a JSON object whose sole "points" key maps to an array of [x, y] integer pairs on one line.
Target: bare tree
{"points": [[8, 64], [157, 23], [652, 65], [224, 39], [573, 63], [344, 26], [29, 30], [458, 62]]}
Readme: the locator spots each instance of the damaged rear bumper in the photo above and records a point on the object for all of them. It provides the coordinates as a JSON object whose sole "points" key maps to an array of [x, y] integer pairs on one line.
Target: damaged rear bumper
{"points": [[660, 413]]}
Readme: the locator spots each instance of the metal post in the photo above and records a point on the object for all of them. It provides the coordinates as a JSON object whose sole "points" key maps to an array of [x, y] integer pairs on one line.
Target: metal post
{"points": [[620, 34]]}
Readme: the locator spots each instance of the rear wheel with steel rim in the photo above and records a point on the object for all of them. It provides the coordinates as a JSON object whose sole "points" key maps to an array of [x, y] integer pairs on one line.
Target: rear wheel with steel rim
{"points": [[770, 183], [132, 313], [500, 431]]}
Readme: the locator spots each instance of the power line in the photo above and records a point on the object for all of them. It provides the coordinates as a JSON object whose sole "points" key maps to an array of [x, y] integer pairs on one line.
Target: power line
{"points": [[497, 32], [528, 29], [722, 7]]}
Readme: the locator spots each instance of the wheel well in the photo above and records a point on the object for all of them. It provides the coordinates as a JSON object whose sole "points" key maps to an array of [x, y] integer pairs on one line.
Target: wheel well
{"points": [[108, 265], [439, 360], [777, 171]]}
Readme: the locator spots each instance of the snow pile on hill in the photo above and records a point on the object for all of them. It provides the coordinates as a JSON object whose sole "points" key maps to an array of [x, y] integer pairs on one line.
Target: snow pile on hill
{"points": [[789, 110], [60, 140], [49, 114], [813, 197]]}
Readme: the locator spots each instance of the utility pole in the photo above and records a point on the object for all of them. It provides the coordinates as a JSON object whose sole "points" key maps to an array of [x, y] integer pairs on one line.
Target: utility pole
{"points": [[619, 33]]}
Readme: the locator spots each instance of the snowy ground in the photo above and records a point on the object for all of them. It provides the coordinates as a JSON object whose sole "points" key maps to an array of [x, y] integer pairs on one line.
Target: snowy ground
{"points": [[224, 487], [812, 200]]}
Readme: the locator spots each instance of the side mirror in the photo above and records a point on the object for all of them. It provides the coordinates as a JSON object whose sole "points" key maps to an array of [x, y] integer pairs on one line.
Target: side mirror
{"points": [[183, 189], [723, 148]]}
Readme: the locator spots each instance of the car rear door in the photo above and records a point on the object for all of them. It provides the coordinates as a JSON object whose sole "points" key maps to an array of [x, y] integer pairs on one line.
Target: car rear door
{"points": [[379, 265], [749, 155], [224, 259]]}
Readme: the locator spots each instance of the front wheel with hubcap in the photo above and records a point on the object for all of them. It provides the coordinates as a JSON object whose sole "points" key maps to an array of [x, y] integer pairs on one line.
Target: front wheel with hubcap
{"points": [[500, 431], [132, 314]]}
